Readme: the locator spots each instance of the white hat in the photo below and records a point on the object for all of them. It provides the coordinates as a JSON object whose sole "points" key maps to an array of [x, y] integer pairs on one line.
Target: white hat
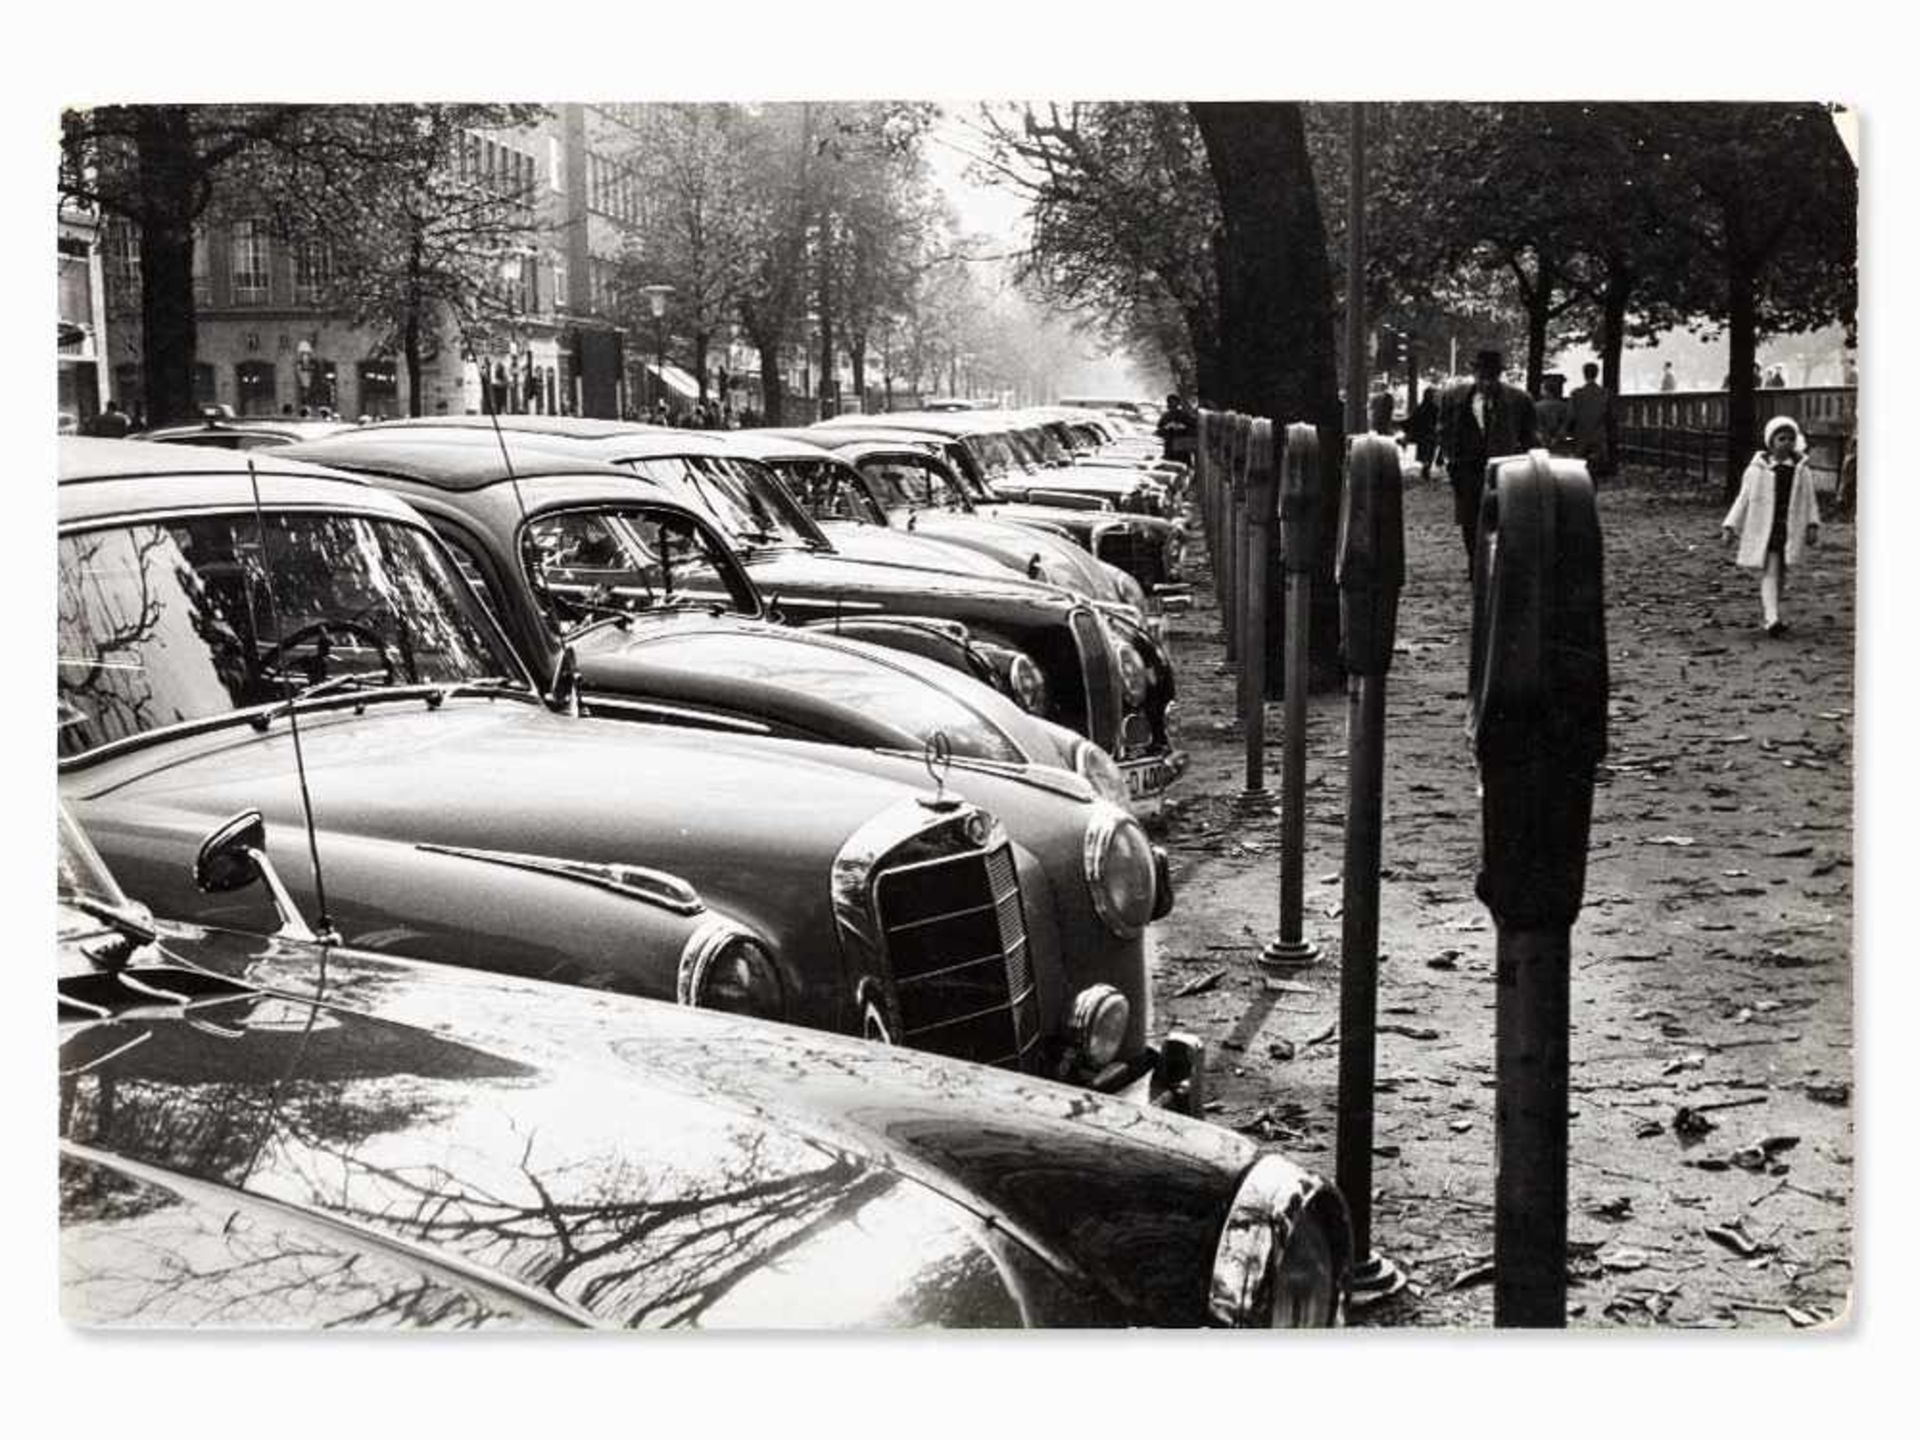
{"points": [[1773, 425]]}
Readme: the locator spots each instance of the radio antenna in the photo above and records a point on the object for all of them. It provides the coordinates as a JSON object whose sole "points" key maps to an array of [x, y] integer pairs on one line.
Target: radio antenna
{"points": [[324, 926]]}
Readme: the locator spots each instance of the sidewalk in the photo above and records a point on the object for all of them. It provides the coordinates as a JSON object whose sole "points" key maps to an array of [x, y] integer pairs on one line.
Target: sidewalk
{"points": [[1712, 962]]}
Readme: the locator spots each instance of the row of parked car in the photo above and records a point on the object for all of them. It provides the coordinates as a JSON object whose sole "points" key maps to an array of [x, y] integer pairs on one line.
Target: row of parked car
{"points": [[405, 728]]}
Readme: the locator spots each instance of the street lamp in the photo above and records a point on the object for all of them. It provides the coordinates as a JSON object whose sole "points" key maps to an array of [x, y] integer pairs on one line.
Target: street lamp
{"points": [[657, 307]]}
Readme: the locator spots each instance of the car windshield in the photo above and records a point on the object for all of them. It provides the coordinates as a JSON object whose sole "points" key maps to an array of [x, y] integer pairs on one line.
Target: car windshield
{"points": [[188, 619], [992, 453], [833, 490], [742, 497], [596, 562], [918, 484]]}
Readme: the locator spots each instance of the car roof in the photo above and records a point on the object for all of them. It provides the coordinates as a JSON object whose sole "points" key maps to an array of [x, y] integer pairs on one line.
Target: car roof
{"points": [[629, 437], [290, 427], [106, 479], [767, 444], [462, 458]]}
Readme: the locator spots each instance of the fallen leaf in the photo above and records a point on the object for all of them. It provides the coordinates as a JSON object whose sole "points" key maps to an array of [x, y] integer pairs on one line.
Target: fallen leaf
{"points": [[1412, 1032], [1735, 1238], [1281, 1049], [1618, 1208], [1205, 983], [1671, 840], [1478, 1274], [1835, 1092], [1624, 1257]]}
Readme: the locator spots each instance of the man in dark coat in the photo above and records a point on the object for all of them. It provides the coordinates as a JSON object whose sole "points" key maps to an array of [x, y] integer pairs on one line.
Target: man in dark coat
{"points": [[1480, 420], [1179, 429]]}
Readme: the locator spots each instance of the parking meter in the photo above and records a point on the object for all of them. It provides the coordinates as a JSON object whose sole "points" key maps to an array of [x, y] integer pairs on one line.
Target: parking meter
{"points": [[1299, 495], [1538, 718], [1537, 686], [1263, 498], [1234, 540], [1370, 567], [1372, 562]]}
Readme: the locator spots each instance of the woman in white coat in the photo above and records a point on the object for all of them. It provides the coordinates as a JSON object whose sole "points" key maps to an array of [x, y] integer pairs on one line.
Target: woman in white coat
{"points": [[1776, 515]]}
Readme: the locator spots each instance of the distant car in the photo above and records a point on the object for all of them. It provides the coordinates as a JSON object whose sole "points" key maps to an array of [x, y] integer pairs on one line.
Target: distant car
{"points": [[857, 488], [981, 452], [461, 819], [281, 1132], [1084, 668], [254, 432]]}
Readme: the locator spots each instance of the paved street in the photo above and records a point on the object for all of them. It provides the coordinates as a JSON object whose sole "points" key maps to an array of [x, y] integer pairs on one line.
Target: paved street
{"points": [[1711, 964]]}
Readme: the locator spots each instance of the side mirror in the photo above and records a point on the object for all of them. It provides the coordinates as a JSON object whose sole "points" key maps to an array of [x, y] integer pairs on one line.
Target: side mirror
{"points": [[234, 856], [229, 858], [563, 689]]}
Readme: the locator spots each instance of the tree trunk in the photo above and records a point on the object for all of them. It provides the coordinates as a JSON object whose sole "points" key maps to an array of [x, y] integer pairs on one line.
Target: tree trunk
{"points": [[1539, 310], [1276, 319], [410, 337], [771, 393], [1742, 344], [701, 341], [167, 321], [1613, 328], [857, 354]]}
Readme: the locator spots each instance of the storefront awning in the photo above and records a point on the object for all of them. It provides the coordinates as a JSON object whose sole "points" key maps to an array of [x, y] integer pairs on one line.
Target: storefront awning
{"points": [[676, 380]]}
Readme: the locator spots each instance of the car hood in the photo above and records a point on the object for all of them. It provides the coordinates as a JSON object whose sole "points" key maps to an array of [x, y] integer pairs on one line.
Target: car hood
{"points": [[598, 1159], [813, 681], [780, 573], [738, 818], [1015, 544], [880, 546]]}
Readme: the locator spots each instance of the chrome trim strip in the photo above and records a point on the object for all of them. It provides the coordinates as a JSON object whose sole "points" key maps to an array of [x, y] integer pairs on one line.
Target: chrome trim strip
{"points": [[705, 719], [635, 882]]}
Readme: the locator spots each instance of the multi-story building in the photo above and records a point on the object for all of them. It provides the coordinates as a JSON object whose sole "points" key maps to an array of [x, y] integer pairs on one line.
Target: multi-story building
{"points": [[81, 353], [266, 344]]}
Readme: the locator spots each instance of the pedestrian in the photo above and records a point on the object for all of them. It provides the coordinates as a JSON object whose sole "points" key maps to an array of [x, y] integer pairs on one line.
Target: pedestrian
{"points": [[1592, 422], [1423, 428], [1773, 535], [111, 423], [1380, 412], [1777, 378], [1554, 414], [1178, 429], [1667, 378], [1481, 420]]}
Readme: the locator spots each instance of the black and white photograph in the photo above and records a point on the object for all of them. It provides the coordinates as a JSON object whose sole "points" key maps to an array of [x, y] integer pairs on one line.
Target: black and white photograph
{"points": [[880, 704]]}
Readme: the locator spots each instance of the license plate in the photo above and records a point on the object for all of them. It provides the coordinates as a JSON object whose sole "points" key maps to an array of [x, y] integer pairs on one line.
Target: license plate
{"points": [[1147, 778]]}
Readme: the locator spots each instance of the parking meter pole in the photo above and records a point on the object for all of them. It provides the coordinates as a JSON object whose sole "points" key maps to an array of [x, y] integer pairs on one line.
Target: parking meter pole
{"points": [[1530, 1121], [1299, 482], [1236, 537], [1371, 569], [1262, 498], [1538, 688]]}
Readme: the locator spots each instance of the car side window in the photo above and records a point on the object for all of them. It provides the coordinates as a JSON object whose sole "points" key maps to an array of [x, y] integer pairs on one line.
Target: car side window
{"points": [[586, 565]]}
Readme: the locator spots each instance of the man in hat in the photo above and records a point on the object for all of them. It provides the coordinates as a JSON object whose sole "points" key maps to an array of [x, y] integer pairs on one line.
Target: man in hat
{"points": [[1552, 414], [1480, 420]]}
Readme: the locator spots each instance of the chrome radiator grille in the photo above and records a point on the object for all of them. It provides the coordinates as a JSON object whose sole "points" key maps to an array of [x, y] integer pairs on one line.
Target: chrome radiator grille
{"points": [[1099, 673], [956, 942]]}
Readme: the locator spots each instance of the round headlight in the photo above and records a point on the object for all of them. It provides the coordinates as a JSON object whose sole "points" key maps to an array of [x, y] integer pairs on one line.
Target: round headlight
{"points": [[1282, 1256], [1133, 674], [1100, 770], [722, 967], [1119, 870], [1028, 685], [1127, 590], [1099, 1024]]}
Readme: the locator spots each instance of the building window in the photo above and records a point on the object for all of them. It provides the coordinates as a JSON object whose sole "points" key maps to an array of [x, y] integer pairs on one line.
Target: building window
{"points": [[252, 280], [202, 272], [312, 271], [254, 384], [123, 264]]}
